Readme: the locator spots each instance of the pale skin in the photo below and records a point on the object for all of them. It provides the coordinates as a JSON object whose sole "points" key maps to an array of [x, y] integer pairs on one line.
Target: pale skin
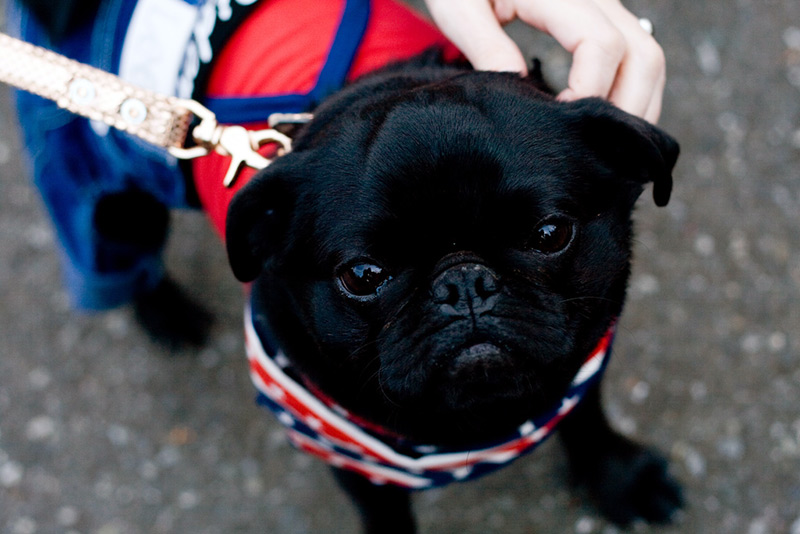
{"points": [[613, 57]]}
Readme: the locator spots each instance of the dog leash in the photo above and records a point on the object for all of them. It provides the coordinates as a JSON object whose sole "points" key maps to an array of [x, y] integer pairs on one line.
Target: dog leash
{"points": [[160, 120]]}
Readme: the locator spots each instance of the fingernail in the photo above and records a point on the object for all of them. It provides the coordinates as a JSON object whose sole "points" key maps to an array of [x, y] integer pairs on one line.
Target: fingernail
{"points": [[567, 95]]}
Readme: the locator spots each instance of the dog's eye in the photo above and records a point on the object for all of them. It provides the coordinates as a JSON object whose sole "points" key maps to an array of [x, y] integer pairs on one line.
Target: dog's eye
{"points": [[363, 279], [552, 235]]}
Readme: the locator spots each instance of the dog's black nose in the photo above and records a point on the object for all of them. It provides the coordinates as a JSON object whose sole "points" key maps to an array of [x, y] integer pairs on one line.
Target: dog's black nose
{"points": [[466, 289]]}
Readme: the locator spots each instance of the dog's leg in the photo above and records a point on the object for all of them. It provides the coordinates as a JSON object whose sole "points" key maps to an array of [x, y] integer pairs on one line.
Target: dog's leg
{"points": [[627, 481], [384, 509]]}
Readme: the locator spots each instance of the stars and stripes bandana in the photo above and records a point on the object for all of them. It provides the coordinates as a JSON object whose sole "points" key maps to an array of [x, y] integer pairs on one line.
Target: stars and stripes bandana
{"points": [[328, 431]]}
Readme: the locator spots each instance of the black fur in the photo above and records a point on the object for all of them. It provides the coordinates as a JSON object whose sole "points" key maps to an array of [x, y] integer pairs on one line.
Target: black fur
{"points": [[499, 220], [627, 481]]}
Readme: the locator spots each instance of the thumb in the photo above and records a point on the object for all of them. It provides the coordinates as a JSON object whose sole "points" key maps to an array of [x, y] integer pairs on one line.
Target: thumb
{"points": [[473, 27]]}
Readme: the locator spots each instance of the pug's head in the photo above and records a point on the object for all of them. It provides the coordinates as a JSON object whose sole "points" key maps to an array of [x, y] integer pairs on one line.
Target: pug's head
{"points": [[442, 249]]}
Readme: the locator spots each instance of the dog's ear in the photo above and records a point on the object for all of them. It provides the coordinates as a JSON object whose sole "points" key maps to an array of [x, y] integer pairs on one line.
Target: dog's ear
{"points": [[632, 146], [257, 222]]}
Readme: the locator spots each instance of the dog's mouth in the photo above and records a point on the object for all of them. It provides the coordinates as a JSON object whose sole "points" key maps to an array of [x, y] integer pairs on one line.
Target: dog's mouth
{"points": [[466, 392], [482, 373], [481, 356]]}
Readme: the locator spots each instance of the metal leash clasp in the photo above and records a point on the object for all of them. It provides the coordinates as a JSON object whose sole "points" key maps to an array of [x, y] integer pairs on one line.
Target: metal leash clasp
{"points": [[158, 119], [242, 146], [235, 141]]}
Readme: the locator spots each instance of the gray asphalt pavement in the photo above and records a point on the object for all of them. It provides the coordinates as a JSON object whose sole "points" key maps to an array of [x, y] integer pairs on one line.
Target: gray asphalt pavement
{"points": [[103, 432]]}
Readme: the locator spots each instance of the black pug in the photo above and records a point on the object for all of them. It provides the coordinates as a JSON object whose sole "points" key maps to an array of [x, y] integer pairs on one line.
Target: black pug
{"points": [[439, 254]]}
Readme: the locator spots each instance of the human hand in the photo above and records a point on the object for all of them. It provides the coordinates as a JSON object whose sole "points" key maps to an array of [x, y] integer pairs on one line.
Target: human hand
{"points": [[613, 57]]}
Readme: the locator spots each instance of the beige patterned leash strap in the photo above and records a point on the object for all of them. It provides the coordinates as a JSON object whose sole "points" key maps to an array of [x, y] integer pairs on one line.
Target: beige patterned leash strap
{"points": [[158, 119]]}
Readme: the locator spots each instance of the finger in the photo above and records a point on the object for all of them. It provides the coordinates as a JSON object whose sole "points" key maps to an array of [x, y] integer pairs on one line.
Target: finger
{"points": [[653, 112], [595, 63], [639, 88], [504, 10], [584, 30], [472, 26], [639, 85]]}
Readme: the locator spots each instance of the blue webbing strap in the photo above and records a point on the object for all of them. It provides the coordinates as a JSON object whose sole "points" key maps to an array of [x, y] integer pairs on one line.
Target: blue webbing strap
{"points": [[343, 50]]}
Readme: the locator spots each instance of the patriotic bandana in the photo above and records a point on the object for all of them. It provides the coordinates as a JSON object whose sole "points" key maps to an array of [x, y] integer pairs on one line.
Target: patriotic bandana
{"points": [[326, 430]]}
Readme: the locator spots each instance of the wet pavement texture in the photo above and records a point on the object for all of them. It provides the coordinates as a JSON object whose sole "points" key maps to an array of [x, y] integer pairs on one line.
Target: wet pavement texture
{"points": [[103, 432]]}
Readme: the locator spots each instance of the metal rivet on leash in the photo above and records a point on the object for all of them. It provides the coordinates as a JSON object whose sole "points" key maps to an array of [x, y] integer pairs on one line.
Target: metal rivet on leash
{"points": [[81, 91], [133, 111]]}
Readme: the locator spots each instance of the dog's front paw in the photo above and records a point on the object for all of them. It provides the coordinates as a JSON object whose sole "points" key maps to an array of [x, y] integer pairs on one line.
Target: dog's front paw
{"points": [[631, 483]]}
